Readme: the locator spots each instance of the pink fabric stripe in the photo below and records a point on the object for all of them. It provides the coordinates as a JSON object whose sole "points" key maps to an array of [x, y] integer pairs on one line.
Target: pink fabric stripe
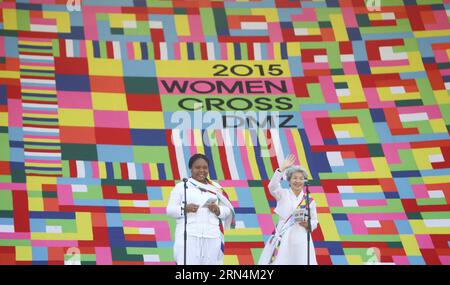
{"points": [[365, 164], [291, 143], [308, 14], [146, 171], [103, 256], [14, 236], [266, 223], [315, 65], [38, 63], [368, 203], [244, 157], [223, 51], [373, 99], [13, 186], [55, 243], [95, 169], [42, 161], [432, 111], [385, 63], [310, 122], [15, 111], [330, 92]]}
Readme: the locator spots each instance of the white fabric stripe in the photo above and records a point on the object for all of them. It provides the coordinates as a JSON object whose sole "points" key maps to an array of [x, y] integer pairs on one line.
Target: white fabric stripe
{"points": [[141, 204], [387, 53], [372, 224], [38, 81], [69, 48], [131, 170], [53, 229], [163, 50], [41, 130], [414, 117], [151, 258], [320, 58], [342, 134], [230, 154], [81, 171], [345, 189], [45, 154], [347, 58], [350, 203], [301, 31], [254, 26], [388, 16], [6, 228], [117, 50], [43, 28], [147, 231], [257, 51], [43, 106], [155, 24], [436, 158], [129, 24], [436, 194], [210, 51], [79, 188], [437, 223], [342, 92], [335, 158], [36, 57], [397, 89], [276, 143]]}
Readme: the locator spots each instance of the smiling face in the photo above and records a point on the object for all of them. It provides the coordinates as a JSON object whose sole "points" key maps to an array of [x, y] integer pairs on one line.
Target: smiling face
{"points": [[199, 170], [296, 181]]}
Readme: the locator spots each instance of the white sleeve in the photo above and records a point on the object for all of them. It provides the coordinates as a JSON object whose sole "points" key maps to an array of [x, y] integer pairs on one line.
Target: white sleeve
{"points": [[275, 186], [224, 212], [314, 220], [174, 207]]}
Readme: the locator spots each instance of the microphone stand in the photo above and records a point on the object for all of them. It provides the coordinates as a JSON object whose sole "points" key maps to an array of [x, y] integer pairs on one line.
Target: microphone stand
{"points": [[185, 219], [309, 220]]}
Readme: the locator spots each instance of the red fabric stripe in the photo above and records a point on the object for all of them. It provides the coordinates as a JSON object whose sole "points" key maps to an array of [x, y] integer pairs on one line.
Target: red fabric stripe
{"points": [[124, 170], [109, 50], [21, 214], [204, 51], [73, 168], [223, 155], [172, 155]]}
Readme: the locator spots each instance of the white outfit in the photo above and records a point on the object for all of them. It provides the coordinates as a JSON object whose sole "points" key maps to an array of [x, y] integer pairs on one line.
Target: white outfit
{"points": [[204, 235], [293, 245]]}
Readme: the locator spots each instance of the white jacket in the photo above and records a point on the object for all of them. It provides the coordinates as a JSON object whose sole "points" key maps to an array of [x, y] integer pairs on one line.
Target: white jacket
{"points": [[203, 223]]}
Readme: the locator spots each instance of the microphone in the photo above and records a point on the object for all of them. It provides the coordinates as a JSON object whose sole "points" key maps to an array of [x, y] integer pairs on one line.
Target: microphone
{"points": [[185, 179]]}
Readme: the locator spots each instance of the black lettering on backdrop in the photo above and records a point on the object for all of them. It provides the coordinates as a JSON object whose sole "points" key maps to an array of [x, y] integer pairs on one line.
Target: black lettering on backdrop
{"points": [[236, 103]]}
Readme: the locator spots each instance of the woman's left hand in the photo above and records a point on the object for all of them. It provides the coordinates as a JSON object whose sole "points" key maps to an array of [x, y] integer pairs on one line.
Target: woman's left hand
{"points": [[304, 224], [214, 208]]}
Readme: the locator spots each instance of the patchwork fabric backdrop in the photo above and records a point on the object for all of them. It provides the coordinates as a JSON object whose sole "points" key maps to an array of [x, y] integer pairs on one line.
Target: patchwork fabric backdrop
{"points": [[103, 102]]}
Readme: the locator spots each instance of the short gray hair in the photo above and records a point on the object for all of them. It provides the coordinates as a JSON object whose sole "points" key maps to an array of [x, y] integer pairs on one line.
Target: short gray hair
{"points": [[296, 168]]}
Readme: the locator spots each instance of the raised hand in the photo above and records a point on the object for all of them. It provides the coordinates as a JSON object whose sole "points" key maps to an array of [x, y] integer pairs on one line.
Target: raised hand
{"points": [[288, 162]]}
